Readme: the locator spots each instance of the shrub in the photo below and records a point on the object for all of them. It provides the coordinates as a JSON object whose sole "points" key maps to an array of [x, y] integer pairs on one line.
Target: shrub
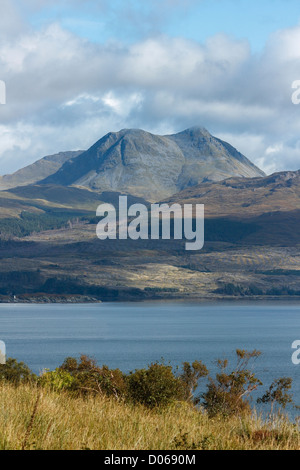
{"points": [[190, 376], [278, 393], [238, 290], [227, 394], [155, 386], [15, 372], [57, 380], [89, 378]]}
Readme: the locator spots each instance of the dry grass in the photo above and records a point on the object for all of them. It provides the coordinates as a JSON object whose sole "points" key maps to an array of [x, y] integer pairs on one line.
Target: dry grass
{"points": [[58, 421]]}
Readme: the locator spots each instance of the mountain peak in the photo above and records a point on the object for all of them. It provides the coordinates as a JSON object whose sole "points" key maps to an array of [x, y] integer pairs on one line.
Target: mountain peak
{"points": [[132, 131], [195, 131], [154, 167], [129, 133]]}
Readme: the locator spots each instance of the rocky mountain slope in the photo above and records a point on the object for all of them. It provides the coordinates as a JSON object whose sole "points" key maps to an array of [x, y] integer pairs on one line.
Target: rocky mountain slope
{"points": [[245, 197], [151, 166], [37, 171], [253, 211]]}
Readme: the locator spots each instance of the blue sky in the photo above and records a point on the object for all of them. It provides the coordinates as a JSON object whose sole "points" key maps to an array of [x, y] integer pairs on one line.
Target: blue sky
{"points": [[252, 20], [77, 69]]}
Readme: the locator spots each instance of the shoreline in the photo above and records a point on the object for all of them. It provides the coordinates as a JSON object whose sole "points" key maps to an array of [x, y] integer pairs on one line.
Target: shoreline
{"points": [[83, 299]]}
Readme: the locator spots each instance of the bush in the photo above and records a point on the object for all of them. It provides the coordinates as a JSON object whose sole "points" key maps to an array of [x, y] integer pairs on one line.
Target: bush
{"points": [[159, 385], [15, 372], [228, 393], [190, 376], [89, 378], [155, 386], [278, 393], [57, 380], [238, 290]]}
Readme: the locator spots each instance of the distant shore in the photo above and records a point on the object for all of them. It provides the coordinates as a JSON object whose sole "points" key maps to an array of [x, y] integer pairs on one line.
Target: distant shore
{"points": [[81, 299]]}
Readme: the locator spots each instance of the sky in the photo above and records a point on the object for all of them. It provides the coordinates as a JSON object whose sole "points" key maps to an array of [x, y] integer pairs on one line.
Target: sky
{"points": [[77, 69]]}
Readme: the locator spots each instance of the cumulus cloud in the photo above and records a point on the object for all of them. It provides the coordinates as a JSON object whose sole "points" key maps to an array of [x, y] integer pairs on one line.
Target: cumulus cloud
{"points": [[64, 92], [11, 21]]}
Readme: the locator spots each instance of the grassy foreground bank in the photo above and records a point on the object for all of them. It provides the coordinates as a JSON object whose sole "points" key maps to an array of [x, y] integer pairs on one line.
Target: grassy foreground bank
{"points": [[81, 405], [60, 421]]}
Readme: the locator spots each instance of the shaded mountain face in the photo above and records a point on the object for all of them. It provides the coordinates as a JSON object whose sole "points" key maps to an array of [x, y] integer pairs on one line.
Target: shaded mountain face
{"points": [[37, 171], [252, 211], [245, 197], [210, 159], [153, 167]]}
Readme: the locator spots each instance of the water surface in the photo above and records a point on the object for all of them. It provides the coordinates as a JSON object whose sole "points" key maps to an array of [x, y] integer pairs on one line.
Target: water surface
{"points": [[131, 335]]}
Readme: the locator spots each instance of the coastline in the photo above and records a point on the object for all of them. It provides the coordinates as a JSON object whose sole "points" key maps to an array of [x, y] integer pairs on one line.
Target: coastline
{"points": [[84, 299]]}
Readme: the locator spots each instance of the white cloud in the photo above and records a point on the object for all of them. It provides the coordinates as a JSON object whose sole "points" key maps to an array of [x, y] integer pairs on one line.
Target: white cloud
{"points": [[11, 21], [64, 92], [80, 99], [122, 106], [273, 149]]}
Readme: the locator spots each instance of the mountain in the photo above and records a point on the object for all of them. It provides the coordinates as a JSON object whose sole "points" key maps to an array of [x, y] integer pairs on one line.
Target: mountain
{"points": [[245, 197], [50, 252], [253, 211], [37, 171], [153, 167]]}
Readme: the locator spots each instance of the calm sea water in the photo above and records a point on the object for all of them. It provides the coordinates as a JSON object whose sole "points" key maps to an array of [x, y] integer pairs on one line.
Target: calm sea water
{"points": [[131, 335]]}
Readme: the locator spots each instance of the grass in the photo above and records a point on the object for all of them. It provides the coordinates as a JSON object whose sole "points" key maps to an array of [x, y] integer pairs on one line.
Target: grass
{"points": [[34, 418]]}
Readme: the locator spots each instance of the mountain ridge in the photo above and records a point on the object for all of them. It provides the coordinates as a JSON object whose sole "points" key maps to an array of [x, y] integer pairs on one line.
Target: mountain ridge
{"points": [[42, 168], [245, 197], [152, 166]]}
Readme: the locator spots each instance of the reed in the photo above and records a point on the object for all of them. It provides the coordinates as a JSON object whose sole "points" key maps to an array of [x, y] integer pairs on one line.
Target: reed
{"points": [[58, 421]]}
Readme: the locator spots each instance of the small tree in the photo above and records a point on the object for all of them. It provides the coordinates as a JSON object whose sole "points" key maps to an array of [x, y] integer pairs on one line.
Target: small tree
{"points": [[15, 372], [190, 376], [278, 393], [227, 394]]}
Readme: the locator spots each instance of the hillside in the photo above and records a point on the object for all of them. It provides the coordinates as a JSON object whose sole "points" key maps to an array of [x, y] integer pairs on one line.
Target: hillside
{"points": [[65, 423], [34, 208], [153, 167], [252, 235], [43, 199], [257, 211], [245, 197], [49, 250], [37, 171]]}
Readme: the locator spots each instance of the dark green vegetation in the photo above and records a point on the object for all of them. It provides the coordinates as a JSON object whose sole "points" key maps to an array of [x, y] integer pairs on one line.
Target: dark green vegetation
{"points": [[29, 223], [159, 385], [246, 291]]}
